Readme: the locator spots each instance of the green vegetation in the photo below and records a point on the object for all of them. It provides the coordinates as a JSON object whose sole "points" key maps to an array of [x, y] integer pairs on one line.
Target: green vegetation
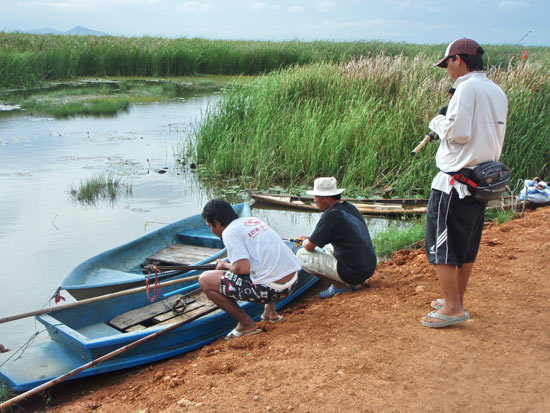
{"points": [[100, 187], [96, 106], [102, 97], [500, 216], [29, 59], [6, 394], [359, 121], [396, 237], [349, 109]]}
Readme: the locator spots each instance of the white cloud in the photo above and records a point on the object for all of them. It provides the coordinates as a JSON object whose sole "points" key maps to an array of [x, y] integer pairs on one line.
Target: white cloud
{"points": [[192, 6], [296, 9], [325, 7], [259, 6], [513, 5]]}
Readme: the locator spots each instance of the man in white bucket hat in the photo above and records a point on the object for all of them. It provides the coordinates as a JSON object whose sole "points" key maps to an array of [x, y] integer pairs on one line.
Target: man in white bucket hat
{"points": [[348, 259]]}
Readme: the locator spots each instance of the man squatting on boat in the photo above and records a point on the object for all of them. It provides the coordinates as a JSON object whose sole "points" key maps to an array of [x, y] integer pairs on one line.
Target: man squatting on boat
{"points": [[260, 267], [348, 258], [471, 132]]}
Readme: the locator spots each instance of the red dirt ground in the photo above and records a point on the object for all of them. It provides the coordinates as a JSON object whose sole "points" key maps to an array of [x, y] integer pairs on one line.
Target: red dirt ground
{"points": [[366, 351]]}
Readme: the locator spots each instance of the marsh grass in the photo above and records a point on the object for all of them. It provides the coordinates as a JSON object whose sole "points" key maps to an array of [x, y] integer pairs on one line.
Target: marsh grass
{"points": [[100, 187], [397, 237], [500, 216], [96, 106], [109, 98], [358, 121], [28, 59]]}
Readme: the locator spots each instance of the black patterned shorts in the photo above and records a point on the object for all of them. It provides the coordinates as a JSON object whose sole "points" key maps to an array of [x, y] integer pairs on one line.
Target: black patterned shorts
{"points": [[241, 288]]}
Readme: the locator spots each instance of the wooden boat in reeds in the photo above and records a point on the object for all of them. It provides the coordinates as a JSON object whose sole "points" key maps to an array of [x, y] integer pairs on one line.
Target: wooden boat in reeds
{"points": [[387, 207], [367, 206]]}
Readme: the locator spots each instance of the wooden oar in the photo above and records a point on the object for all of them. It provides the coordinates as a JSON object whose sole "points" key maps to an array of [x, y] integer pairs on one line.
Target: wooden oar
{"points": [[96, 299], [95, 362], [176, 267]]}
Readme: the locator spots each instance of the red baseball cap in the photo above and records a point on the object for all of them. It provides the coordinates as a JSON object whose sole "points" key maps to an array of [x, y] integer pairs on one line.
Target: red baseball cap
{"points": [[459, 46]]}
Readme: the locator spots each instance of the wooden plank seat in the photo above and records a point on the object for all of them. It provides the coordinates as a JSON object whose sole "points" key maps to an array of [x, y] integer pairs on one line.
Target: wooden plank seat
{"points": [[160, 313], [181, 254]]}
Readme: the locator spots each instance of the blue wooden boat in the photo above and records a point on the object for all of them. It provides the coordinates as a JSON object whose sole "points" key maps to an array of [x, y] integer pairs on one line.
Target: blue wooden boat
{"points": [[81, 334], [185, 242]]}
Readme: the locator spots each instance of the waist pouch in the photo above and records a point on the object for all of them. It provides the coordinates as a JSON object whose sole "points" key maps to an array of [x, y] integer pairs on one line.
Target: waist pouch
{"points": [[486, 182]]}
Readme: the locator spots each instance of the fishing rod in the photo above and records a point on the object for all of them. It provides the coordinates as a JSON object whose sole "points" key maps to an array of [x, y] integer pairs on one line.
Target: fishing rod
{"points": [[431, 136], [507, 53]]}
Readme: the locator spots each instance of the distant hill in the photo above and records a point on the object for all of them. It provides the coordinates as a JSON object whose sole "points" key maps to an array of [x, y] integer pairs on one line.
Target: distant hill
{"points": [[75, 31], [83, 31]]}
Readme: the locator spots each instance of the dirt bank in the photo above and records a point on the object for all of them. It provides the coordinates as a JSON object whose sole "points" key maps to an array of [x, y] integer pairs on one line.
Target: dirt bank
{"points": [[366, 351]]}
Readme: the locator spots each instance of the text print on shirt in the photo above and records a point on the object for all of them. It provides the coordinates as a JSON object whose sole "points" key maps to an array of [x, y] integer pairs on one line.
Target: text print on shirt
{"points": [[259, 226]]}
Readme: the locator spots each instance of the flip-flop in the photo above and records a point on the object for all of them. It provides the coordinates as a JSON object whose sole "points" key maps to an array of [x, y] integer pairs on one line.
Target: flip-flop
{"points": [[440, 302], [445, 320], [236, 334], [278, 319]]}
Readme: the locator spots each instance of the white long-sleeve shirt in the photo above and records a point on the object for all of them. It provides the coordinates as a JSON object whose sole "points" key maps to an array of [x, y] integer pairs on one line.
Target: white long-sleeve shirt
{"points": [[473, 130]]}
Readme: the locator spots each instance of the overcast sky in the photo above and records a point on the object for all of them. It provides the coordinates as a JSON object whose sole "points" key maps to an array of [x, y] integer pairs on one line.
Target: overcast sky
{"points": [[415, 21]]}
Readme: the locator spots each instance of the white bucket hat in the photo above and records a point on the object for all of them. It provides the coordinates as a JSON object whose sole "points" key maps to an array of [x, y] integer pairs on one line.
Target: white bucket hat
{"points": [[325, 187]]}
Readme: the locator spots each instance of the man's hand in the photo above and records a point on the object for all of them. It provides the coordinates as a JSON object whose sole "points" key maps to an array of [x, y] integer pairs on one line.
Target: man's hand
{"points": [[300, 240], [308, 245], [221, 265], [433, 136]]}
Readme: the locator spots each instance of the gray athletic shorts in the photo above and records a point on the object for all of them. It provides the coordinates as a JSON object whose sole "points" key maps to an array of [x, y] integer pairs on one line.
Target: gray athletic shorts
{"points": [[453, 228]]}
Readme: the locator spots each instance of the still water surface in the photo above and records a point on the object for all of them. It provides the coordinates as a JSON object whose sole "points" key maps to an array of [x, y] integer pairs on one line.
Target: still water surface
{"points": [[44, 232]]}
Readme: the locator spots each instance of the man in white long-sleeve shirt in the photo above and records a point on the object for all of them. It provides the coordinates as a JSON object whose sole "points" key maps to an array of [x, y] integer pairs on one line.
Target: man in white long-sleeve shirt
{"points": [[471, 132]]}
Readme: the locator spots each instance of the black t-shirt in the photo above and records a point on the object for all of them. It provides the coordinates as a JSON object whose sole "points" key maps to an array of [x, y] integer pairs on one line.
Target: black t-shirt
{"points": [[343, 226]]}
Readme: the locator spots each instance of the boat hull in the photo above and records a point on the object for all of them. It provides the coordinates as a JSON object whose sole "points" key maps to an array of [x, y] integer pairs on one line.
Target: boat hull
{"points": [[375, 207]]}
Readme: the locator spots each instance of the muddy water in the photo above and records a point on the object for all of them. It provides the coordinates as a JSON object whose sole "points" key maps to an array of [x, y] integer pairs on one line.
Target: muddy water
{"points": [[44, 232]]}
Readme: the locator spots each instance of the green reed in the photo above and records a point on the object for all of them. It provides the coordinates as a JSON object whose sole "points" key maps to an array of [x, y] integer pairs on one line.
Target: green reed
{"points": [[96, 106], [28, 59], [100, 187], [359, 121], [396, 238]]}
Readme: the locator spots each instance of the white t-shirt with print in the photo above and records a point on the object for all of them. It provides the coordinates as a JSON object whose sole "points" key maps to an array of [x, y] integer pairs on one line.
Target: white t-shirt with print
{"points": [[270, 258]]}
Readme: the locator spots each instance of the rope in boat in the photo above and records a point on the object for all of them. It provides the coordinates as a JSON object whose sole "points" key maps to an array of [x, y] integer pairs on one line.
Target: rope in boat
{"points": [[57, 297], [156, 290]]}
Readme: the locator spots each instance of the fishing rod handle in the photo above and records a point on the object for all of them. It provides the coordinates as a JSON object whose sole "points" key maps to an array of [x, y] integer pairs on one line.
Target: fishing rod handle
{"points": [[426, 139]]}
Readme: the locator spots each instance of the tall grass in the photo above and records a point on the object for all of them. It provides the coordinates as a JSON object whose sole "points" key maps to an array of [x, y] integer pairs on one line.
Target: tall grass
{"points": [[100, 187], [97, 106], [358, 121], [396, 238], [27, 59]]}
